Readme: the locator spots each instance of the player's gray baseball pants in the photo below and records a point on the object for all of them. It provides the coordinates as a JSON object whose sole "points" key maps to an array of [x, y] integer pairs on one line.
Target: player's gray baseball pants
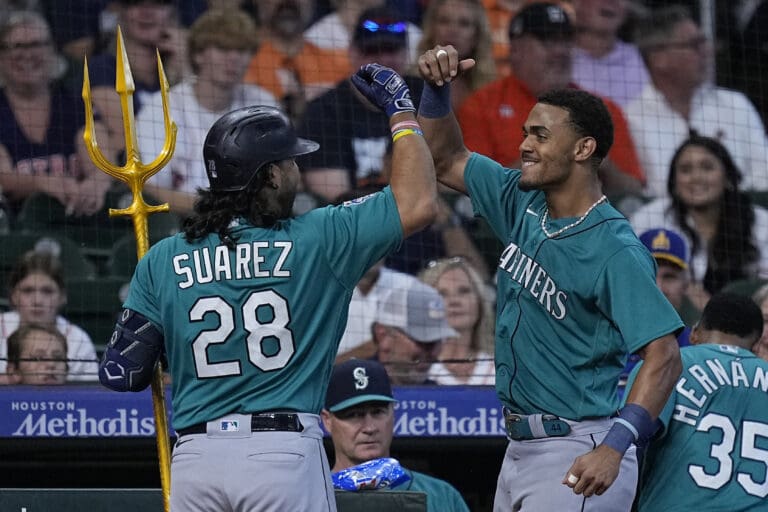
{"points": [[532, 473], [232, 468]]}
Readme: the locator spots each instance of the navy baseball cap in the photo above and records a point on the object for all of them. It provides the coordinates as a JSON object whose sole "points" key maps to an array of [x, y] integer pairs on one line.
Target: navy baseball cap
{"points": [[355, 382], [542, 20], [668, 245], [380, 29]]}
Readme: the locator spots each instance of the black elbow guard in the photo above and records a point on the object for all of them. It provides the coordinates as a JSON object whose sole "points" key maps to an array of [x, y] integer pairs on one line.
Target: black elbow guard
{"points": [[130, 356]]}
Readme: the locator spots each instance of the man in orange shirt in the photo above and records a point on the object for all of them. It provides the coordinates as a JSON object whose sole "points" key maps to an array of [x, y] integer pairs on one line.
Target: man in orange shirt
{"points": [[294, 70], [540, 54]]}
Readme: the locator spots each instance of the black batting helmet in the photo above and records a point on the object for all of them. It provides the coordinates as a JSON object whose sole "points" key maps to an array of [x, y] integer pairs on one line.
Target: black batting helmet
{"points": [[242, 141]]}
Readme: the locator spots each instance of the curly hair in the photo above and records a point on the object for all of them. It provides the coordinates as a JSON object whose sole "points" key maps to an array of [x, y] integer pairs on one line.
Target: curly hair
{"points": [[214, 211], [732, 249]]}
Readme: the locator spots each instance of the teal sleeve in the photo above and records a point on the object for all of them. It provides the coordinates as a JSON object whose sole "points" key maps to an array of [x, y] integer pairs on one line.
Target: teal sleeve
{"points": [[493, 191], [627, 293], [359, 233], [141, 296]]}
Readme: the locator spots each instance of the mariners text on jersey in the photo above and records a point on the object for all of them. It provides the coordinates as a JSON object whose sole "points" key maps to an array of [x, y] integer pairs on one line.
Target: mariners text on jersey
{"points": [[247, 261], [711, 377], [532, 276]]}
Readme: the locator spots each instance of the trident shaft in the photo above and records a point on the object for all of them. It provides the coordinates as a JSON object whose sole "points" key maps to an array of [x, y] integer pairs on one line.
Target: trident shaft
{"points": [[135, 173]]}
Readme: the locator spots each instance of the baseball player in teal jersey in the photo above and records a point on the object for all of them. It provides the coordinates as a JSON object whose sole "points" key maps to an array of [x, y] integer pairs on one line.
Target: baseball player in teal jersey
{"points": [[576, 294], [711, 453], [249, 306], [360, 417]]}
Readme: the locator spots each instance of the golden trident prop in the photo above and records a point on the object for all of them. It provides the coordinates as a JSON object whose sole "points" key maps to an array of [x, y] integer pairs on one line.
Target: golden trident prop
{"points": [[135, 174]]}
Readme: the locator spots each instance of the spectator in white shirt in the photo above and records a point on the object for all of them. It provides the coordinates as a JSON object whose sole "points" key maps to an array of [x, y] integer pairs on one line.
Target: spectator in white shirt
{"points": [[37, 295], [221, 44], [680, 102], [727, 234]]}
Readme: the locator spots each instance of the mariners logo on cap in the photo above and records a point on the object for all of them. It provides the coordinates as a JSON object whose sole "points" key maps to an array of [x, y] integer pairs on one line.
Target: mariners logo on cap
{"points": [[361, 378], [661, 242]]}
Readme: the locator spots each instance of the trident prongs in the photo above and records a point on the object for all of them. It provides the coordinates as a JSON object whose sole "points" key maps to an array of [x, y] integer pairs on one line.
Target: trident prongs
{"points": [[135, 173]]}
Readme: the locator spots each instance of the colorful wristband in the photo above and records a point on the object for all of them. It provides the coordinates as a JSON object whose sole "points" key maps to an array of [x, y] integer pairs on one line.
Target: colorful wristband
{"points": [[402, 133], [405, 124]]}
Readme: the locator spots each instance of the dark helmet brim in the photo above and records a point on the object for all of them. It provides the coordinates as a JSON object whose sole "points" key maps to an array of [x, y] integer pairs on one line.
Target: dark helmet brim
{"points": [[304, 146]]}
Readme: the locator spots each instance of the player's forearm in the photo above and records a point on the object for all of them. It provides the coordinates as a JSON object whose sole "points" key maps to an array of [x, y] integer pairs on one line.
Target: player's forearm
{"points": [[657, 376], [442, 133], [413, 179]]}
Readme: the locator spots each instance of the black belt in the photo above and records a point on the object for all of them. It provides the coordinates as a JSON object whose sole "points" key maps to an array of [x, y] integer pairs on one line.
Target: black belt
{"points": [[262, 422]]}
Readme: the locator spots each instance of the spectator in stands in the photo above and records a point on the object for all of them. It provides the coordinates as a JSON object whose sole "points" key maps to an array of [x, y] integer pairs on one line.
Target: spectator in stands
{"points": [[499, 14], [37, 354], [37, 294], [540, 54], [672, 255], [761, 298], [41, 125], [354, 137], [220, 46], [727, 234], [463, 24], [359, 415], [335, 30], [602, 62], [467, 358], [148, 26], [748, 53], [409, 331], [288, 65], [680, 102]]}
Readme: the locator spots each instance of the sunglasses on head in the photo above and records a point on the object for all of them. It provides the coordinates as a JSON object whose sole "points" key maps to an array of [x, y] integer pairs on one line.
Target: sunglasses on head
{"points": [[393, 28]]}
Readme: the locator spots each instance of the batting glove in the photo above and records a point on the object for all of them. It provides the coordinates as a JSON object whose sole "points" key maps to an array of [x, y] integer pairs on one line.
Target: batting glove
{"points": [[384, 88]]}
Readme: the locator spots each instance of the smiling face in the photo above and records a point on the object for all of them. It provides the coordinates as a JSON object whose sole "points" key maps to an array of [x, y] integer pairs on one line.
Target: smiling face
{"points": [[42, 360], [37, 298], [548, 148], [27, 56], [360, 433], [699, 178]]}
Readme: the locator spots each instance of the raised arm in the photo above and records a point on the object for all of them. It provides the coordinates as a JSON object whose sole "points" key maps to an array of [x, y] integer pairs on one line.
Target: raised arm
{"points": [[412, 177], [441, 129]]}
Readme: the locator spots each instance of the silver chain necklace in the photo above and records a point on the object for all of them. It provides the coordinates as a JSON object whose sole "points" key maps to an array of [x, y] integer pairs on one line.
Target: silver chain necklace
{"points": [[575, 223]]}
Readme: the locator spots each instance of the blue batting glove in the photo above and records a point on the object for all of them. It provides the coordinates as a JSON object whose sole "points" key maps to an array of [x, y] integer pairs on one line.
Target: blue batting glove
{"points": [[384, 88]]}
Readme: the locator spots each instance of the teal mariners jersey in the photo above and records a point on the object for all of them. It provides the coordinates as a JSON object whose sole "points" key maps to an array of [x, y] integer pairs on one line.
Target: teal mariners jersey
{"points": [[257, 328], [712, 453], [569, 309], [441, 496]]}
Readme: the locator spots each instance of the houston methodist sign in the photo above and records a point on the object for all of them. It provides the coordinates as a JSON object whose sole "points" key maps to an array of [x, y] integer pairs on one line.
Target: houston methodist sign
{"points": [[91, 411]]}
